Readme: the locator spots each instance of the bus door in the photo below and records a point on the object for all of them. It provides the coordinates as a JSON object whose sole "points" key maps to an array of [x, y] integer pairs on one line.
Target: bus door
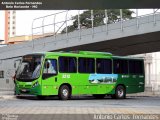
{"points": [[49, 77]]}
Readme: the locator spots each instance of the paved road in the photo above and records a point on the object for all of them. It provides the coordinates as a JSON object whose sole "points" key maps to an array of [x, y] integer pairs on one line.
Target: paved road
{"points": [[85, 102], [81, 105]]}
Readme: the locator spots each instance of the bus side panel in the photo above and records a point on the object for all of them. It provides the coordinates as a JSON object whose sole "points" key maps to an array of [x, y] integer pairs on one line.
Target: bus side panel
{"points": [[135, 84], [132, 83]]}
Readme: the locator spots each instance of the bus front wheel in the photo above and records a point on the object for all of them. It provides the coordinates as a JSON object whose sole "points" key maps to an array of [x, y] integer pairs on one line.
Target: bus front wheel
{"points": [[64, 92], [120, 92]]}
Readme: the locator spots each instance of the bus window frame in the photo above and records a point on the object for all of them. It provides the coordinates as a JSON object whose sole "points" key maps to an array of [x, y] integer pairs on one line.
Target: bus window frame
{"points": [[143, 70], [51, 75], [68, 57], [111, 60], [87, 72], [120, 64]]}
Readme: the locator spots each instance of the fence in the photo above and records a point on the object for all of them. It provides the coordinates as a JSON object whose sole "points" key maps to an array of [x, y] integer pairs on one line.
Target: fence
{"points": [[60, 23]]}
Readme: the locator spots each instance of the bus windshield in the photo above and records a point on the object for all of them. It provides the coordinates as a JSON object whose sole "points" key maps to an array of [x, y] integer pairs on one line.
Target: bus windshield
{"points": [[29, 68]]}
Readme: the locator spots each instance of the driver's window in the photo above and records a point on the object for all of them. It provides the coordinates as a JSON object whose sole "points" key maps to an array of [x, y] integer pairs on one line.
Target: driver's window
{"points": [[50, 66]]}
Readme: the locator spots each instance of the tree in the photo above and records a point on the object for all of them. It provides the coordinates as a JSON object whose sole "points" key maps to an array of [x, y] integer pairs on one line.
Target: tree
{"points": [[98, 16]]}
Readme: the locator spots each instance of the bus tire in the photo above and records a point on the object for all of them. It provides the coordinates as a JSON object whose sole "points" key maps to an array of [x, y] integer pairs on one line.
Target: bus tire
{"points": [[113, 96], [99, 96], [64, 92], [19, 97], [120, 92]]}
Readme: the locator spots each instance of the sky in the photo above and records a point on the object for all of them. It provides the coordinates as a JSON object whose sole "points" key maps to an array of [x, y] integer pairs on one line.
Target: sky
{"points": [[25, 18]]}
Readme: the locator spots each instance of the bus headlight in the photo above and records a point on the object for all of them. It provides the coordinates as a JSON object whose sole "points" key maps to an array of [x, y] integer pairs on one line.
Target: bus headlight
{"points": [[35, 84]]}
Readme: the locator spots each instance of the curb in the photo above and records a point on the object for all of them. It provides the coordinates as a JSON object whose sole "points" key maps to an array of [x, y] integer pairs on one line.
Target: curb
{"points": [[7, 97]]}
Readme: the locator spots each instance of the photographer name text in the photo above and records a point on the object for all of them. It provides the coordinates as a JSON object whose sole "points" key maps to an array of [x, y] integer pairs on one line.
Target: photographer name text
{"points": [[21, 5]]}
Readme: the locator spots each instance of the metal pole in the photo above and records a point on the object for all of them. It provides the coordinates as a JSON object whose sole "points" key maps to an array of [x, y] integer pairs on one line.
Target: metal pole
{"points": [[149, 73], [92, 18], [79, 25], [66, 24], [54, 26], [154, 17], [43, 26], [156, 69], [32, 35], [121, 17], [137, 18], [106, 16]]}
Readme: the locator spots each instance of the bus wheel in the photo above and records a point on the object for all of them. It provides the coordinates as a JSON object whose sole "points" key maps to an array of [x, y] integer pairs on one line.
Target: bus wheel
{"points": [[113, 96], [64, 92], [99, 96], [19, 97], [120, 92]]}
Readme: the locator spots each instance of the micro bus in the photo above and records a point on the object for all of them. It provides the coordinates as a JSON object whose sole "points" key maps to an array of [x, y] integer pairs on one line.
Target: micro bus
{"points": [[79, 73]]}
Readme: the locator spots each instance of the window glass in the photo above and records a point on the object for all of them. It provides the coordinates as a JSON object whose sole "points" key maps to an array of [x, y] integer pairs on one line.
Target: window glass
{"points": [[50, 67], [104, 66], [86, 65], [1, 74], [120, 66], [135, 67], [29, 68], [67, 64]]}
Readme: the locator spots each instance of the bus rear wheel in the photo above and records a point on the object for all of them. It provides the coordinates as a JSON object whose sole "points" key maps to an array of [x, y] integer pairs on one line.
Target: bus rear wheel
{"points": [[99, 96], [64, 92], [120, 92]]}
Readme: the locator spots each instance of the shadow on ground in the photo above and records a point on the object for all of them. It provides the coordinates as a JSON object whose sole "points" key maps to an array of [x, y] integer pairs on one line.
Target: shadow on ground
{"points": [[73, 98]]}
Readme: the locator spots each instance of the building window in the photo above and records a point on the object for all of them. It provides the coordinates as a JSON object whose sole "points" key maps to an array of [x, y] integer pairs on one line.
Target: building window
{"points": [[1, 74]]}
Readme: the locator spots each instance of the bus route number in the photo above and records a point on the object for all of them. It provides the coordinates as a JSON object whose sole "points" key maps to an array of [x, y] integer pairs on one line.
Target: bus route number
{"points": [[65, 76]]}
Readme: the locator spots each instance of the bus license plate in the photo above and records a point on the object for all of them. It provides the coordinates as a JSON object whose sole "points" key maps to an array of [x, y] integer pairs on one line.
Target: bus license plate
{"points": [[24, 90]]}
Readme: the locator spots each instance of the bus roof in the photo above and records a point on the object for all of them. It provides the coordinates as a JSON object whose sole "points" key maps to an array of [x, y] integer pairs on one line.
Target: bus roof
{"points": [[87, 53], [76, 53], [127, 57]]}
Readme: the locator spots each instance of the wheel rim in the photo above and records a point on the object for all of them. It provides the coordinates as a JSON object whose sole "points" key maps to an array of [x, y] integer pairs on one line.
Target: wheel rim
{"points": [[120, 92], [65, 92]]}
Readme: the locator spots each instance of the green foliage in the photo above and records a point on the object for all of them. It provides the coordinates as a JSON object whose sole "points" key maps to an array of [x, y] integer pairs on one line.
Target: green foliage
{"points": [[99, 18]]}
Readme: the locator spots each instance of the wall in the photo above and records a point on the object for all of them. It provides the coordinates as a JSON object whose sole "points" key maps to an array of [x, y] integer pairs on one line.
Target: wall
{"points": [[9, 67]]}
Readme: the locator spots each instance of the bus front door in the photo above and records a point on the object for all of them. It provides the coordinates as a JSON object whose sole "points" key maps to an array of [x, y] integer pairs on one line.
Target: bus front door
{"points": [[49, 77]]}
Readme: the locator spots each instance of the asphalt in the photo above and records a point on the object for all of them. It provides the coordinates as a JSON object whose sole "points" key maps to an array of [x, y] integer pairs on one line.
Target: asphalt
{"points": [[78, 108]]}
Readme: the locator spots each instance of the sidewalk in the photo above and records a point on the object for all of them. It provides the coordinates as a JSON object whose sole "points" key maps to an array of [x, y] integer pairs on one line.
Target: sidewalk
{"points": [[6, 94]]}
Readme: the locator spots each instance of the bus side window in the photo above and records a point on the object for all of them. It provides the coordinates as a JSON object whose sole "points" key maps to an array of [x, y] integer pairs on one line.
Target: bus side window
{"points": [[135, 67], [104, 66], [120, 66], [50, 68], [67, 64], [86, 65]]}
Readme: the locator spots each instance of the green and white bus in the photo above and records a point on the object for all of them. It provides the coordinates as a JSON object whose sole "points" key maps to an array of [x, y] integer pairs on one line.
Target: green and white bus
{"points": [[79, 73]]}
